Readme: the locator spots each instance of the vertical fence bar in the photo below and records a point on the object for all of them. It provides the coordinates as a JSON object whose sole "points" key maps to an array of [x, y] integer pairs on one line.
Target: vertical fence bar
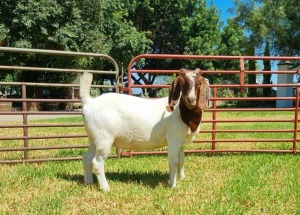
{"points": [[214, 116], [296, 121], [130, 65], [242, 75], [25, 122]]}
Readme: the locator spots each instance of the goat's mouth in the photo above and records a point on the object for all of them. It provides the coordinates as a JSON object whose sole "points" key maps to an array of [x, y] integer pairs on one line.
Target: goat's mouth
{"points": [[191, 105]]}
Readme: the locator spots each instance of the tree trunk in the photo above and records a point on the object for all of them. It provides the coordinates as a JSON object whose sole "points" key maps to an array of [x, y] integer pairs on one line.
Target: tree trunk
{"points": [[267, 77]]}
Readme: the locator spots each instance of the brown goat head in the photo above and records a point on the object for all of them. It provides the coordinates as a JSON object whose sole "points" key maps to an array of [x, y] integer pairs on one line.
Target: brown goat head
{"points": [[191, 88]]}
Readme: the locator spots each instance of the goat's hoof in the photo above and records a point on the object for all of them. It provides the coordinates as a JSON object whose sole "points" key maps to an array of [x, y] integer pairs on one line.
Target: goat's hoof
{"points": [[104, 189], [182, 177], [89, 181], [172, 186]]}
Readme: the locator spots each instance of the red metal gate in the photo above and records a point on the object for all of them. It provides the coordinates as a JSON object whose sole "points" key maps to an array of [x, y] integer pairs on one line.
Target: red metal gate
{"points": [[211, 124], [217, 134]]}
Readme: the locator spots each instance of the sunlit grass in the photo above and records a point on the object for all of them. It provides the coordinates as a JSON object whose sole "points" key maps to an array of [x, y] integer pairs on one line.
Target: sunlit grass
{"points": [[215, 184]]}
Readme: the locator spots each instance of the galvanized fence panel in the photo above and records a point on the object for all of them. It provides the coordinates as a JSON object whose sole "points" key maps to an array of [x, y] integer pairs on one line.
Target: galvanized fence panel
{"points": [[17, 141]]}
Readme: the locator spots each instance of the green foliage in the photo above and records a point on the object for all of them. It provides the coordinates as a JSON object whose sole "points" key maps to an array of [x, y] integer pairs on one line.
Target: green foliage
{"points": [[276, 21], [188, 27], [122, 29], [125, 40], [232, 43], [272, 25], [54, 22], [198, 30], [45, 25]]}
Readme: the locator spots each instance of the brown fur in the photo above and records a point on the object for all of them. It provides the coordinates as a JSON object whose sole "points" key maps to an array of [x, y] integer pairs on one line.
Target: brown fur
{"points": [[191, 117]]}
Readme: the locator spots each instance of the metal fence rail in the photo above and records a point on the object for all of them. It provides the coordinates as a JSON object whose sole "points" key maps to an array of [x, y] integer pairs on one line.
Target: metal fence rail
{"points": [[216, 143], [22, 143], [212, 138]]}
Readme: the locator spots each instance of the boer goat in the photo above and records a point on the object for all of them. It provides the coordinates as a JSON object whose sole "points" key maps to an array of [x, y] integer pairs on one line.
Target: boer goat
{"points": [[133, 123]]}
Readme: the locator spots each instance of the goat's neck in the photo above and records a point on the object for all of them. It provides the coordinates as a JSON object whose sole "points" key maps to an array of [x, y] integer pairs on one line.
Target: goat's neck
{"points": [[190, 117]]}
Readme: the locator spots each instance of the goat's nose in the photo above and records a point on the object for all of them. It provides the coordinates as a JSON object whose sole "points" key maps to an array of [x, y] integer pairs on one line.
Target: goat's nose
{"points": [[191, 99]]}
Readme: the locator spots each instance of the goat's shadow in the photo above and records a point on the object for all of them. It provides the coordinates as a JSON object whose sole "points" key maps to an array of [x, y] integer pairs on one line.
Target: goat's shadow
{"points": [[149, 179]]}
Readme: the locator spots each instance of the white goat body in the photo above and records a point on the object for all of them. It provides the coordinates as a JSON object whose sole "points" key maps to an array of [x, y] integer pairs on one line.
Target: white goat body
{"points": [[132, 123]]}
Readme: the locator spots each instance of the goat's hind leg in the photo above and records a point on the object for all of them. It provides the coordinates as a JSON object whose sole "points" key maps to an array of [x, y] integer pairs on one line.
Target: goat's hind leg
{"points": [[99, 163], [103, 145], [87, 164]]}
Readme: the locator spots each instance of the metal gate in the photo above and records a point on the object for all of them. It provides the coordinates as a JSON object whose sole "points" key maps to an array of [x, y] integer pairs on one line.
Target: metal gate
{"points": [[18, 142], [216, 135], [219, 138]]}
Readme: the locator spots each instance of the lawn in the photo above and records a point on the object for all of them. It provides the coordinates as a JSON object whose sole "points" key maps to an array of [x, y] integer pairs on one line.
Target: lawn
{"points": [[215, 184], [228, 183]]}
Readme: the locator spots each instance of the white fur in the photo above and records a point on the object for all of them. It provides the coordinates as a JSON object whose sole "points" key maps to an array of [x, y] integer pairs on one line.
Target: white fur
{"points": [[132, 123]]}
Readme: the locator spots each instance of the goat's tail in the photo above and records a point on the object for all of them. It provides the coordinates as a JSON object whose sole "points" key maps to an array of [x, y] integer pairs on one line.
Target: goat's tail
{"points": [[85, 86]]}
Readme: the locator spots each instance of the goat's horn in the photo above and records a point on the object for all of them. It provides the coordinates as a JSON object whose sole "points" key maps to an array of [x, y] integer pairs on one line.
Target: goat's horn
{"points": [[198, 71]]}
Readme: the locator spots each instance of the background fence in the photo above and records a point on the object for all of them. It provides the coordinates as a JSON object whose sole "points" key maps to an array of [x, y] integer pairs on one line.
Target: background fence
{"points": [[31, 140], [19, 141], [223, 139]]}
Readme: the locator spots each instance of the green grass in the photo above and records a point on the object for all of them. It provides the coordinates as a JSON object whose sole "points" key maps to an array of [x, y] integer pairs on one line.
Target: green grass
{"points": [[228, 183], [215, 184]]}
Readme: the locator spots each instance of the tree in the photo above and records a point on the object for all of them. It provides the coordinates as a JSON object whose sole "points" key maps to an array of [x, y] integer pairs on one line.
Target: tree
{"points": [[275, 21], [252, 92], [164, 24], [233, 42], [202, 33], [282, 24], [267, 67], [125, 38], [122, 29], [185, 27], [52, 24], [80, 25]]}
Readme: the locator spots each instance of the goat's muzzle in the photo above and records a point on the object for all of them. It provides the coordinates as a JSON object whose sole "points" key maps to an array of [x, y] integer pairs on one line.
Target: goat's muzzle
{"points": [[191, 102]]}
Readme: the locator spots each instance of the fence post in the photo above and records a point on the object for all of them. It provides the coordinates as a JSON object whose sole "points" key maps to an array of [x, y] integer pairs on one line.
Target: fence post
{"points": [[296, 121], [25, 122], [214, 125], [242, 75]]}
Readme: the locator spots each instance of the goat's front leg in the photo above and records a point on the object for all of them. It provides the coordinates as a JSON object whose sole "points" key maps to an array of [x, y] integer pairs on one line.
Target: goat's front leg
{"points": [[173, 152], [181, 163]]}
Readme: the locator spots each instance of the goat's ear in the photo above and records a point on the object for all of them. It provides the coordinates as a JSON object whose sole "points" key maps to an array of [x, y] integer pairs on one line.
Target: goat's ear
{"points": [[174, 93], [203, 93], [174, 90]]}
